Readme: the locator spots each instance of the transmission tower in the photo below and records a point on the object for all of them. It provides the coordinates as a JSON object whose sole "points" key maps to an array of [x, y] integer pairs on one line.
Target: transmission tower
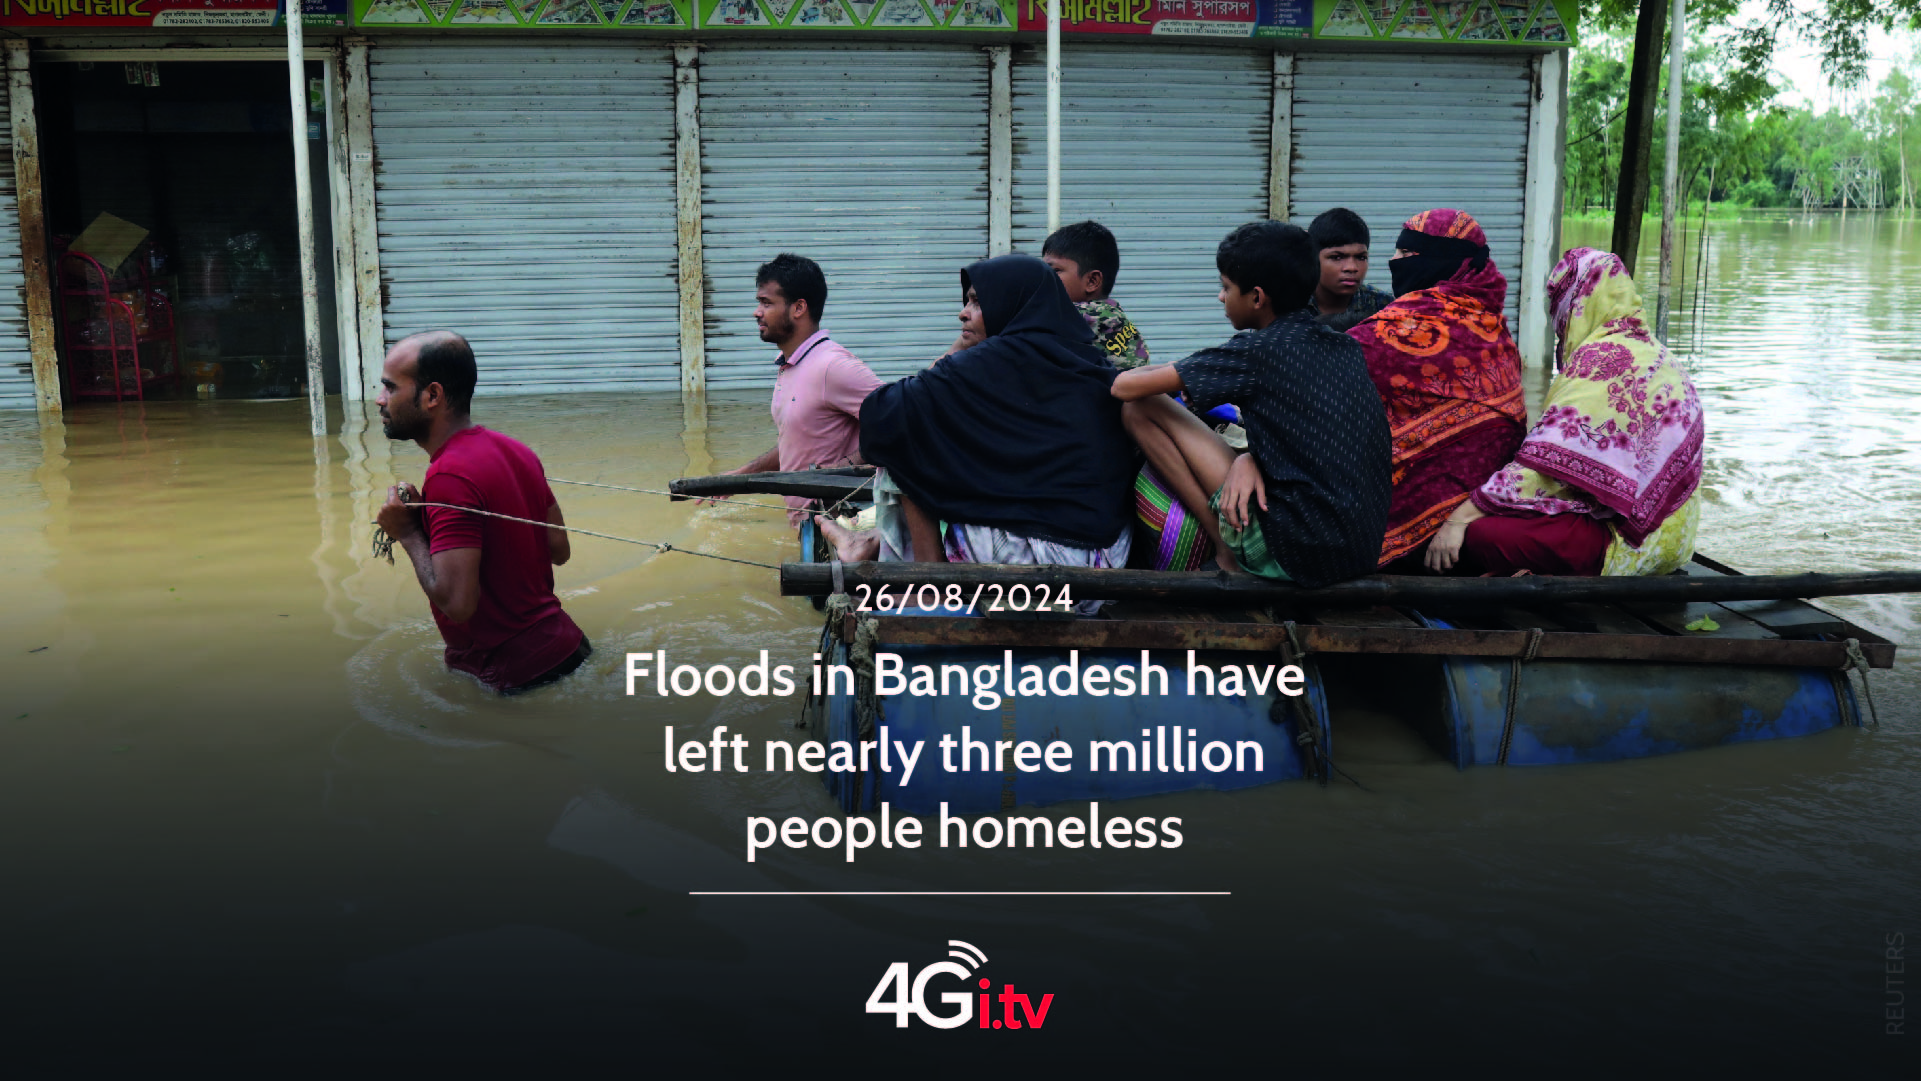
{"points": [[1857, 182]]}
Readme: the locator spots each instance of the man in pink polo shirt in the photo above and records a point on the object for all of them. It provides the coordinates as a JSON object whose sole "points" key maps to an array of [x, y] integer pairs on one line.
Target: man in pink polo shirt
{"points": [[819, 386]]}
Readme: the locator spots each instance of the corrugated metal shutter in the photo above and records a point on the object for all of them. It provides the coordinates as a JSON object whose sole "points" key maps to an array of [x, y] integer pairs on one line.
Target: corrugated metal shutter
{"points": [[16, 354], [1168, 147], [1391, 135], [525, 198], [869, 159]]}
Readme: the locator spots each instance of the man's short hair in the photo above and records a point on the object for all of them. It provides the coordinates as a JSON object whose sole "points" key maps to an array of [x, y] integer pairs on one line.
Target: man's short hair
{"points": [[799, 278], [1091, 246], [446, 358], [1273, 256], [1337, 228]]}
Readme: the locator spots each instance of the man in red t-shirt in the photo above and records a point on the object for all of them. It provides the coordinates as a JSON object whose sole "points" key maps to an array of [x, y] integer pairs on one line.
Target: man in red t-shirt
{"points": [[490, 581]]}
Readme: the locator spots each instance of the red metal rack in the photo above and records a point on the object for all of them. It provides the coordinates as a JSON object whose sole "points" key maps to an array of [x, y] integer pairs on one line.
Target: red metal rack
{"points": [[103, 336]]}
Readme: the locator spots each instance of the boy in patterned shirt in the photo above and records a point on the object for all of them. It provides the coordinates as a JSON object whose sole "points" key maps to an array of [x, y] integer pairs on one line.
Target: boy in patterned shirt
{"points": [[1087, 259]]}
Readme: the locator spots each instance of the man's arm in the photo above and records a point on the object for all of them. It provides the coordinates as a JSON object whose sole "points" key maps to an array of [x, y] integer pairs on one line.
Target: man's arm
{"points": [[450, 579], [559, 549], [1138, 383], [766, 463]]}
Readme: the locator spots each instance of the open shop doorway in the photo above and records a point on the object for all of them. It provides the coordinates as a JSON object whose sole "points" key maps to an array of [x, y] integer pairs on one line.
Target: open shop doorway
{"points": [[170, 203]]}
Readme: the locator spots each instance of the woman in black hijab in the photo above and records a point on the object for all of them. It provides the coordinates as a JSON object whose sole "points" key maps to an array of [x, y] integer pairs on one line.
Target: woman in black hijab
{"points": [[1015, 442]]}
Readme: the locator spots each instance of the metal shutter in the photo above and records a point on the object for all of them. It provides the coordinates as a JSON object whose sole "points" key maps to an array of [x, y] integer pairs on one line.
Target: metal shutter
{"points": [[1391, 135], [870, 160], [16, 354], [525, 198], [1168, 147]]}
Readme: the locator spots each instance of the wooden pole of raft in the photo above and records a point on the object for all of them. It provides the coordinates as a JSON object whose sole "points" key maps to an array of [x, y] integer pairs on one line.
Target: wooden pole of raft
{"points": [[1220, 588], [804, 483]]}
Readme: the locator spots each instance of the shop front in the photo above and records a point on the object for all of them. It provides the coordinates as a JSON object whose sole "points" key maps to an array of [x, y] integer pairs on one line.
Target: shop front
{"points": [[585, 189]]}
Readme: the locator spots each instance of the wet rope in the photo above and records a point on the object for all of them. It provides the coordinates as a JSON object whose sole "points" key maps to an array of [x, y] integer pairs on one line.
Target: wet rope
{"points": [[383, 546], [1306, 731], [1528, 653], [1858, 659]]}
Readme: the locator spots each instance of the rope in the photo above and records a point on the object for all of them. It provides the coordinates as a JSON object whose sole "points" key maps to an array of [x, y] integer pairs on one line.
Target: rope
{"points": [[833, 511], [1306, 730], [1858, 659], [732, 502], [384, 545], [1528, 653]]}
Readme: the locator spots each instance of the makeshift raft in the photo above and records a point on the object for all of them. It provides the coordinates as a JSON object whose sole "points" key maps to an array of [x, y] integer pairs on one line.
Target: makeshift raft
{"points": [[1511, 672]]}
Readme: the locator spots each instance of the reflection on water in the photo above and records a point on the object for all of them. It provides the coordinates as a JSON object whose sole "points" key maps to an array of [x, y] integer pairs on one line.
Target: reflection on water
{"points": [[232, 765]]}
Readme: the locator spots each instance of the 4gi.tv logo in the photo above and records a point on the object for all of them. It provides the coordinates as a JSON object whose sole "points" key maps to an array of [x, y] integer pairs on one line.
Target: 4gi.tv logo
{"points": [[910, 992]]}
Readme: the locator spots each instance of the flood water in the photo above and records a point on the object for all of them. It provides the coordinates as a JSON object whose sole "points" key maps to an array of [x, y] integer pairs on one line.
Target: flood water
{"points": [[248, 815]]}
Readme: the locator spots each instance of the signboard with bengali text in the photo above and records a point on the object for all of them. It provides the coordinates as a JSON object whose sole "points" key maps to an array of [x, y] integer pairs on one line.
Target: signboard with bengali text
{"points": [[1462, 22], [1438, 22], [166, 14]]}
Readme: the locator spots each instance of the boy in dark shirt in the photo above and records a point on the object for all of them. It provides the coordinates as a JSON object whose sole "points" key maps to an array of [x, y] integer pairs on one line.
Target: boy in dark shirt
{"points": [[1343, 298], [1317, 467]]}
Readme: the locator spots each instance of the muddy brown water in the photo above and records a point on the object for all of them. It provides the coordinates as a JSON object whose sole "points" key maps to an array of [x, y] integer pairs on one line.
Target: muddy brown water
{"points": [[246, 813]]}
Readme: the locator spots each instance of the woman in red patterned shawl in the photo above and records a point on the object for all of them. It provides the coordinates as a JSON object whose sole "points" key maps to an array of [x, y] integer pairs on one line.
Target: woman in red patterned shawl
{"points": [[1447, 370]]}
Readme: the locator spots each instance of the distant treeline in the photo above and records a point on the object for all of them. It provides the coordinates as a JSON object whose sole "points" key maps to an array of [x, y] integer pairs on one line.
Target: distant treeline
{"points": [[1758, 151]]}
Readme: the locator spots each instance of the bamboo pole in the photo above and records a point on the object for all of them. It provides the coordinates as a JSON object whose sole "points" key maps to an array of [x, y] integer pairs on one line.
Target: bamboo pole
{"points": [[1637, 133], [1670, 179], [1246, 590]]}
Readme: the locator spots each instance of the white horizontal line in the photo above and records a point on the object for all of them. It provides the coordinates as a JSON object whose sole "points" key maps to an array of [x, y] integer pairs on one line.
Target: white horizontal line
{"points": [[959, 893]]}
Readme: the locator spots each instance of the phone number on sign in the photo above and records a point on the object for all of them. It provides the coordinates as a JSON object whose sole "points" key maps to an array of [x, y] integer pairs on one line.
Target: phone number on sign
{"points": [[953, 598]]}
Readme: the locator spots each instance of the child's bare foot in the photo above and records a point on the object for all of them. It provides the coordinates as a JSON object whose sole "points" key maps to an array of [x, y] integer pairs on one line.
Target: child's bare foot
{"points": [[850, 546]]}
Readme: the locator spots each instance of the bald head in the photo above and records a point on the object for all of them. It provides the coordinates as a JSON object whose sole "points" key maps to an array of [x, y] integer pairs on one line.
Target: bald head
{"points": [[441, 356]]}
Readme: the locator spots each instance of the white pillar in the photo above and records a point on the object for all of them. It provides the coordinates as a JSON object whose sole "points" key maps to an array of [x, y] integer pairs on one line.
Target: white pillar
{"points": [[1541, 205], [1000, 151], [1054, 114], [303, 219], [362, 220], [30, 200], [690, 264], [1280, 140]]}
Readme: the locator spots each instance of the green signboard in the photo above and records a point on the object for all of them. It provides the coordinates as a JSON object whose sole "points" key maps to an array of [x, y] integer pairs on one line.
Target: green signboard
{"points": [[1467, 22], [858, 14], [575, 14]]}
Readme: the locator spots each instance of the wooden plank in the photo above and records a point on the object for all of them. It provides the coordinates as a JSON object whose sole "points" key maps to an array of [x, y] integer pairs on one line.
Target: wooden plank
{"points": [[1792, 619], [1674, 618], [1526, 619], [1378, 616], [1256, 637], [1600, 618]]}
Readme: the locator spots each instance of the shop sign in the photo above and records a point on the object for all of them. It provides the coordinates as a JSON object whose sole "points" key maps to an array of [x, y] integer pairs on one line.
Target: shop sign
{"points": [[93, 13], [1465, 22], [858, 14], [213, 14], [1181, 18], [321, 13], [526, 14]]}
